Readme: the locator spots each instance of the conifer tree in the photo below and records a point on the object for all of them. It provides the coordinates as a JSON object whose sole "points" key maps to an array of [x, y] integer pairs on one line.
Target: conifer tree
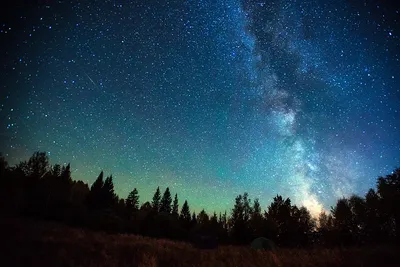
{"points": [[94, 197], [185, 212], [165, 205], [203, 218], [214, 219], [175, 206], [156, 200], [237, 222], [108, 194], [256, 222], [98, 184], [132, 202], [66, 173], [194, 218]]}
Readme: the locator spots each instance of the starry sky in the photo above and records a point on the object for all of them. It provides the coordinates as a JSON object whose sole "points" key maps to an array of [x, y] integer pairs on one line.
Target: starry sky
{"points": [[211, 98]]}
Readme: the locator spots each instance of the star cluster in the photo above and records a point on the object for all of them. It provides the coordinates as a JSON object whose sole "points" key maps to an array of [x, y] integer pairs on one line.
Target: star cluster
{"points": [[210, 98]]}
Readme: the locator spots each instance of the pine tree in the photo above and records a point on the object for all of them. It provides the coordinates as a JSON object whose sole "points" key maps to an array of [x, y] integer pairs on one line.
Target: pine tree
{"points": [[194, 218], [223, 221], [63, 186], [256, 222], [203, 218], [156, 200], [214, 226], [108, 194], [66, 173], [175, 206], [192, 223], [247, 209], [132, 202], [185, 212], [94, 197], [165, 205], [241, 214], [256, 211], [98, 184], [237, 222]]}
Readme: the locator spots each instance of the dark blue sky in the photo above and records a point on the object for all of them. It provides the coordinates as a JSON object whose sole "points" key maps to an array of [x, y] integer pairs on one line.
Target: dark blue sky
{"points": [[211, 98]]}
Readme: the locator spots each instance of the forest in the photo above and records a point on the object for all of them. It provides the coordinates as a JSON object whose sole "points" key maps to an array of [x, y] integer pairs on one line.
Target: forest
{"points": [[36, 190]]}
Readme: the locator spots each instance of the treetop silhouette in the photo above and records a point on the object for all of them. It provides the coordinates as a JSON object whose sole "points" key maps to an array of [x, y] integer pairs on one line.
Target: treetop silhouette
{"points": [[35, 189]]}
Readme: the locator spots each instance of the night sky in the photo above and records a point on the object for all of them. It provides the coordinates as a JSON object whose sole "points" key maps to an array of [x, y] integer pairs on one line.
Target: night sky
{"points": [[211, 98]]}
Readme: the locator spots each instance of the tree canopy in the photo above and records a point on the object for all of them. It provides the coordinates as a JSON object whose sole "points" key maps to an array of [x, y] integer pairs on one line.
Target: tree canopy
{"points": [[36, 189]]}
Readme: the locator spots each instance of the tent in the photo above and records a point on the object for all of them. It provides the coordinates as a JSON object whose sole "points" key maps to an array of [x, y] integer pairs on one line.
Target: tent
{"points": [[263, 243]]}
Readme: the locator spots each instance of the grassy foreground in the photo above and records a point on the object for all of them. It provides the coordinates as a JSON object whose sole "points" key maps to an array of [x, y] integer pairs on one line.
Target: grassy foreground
{"points": [[30, 243]]}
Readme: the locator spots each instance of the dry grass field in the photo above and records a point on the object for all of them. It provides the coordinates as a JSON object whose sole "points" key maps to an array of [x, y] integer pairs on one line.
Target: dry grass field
{"points": [[30, 243]]}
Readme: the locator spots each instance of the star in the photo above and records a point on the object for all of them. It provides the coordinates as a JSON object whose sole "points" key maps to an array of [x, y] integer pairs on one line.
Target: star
{"points": [[212, 99]]}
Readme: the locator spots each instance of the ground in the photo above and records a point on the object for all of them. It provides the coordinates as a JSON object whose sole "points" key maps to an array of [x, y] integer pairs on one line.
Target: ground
{"points": [[33, 243]]}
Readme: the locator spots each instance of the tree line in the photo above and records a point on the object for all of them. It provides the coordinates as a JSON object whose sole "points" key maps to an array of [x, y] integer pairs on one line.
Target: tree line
{"points": [[38, 190]]}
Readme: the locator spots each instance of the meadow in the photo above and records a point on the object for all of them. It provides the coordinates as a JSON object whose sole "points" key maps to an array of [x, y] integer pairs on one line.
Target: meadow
{"points": [[34, 243]]}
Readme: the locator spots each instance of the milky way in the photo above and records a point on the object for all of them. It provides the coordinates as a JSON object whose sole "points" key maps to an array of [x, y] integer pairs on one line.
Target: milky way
{"points": [[211, 98]]}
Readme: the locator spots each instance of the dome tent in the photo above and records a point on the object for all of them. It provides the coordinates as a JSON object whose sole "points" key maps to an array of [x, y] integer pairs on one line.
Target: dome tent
{"points": [[263, 243]]}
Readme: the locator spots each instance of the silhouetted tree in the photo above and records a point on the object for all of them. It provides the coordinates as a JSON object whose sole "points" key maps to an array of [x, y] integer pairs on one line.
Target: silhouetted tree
{"points": [[56, 185], [146, 206], [132, 202], [246, 207], [185, 214], [304, 225], [325, 229], [256, 222], [175, 207], [79, 192], [165, 205], [78, 195], [359, 212], [37, 165], [156, 200], [56, 170], [279, 220], [108, 194], [120, 208], [66, 173], [202, 218], [239, 222], [343, 220], [389, 191], [146, 219], [223, 220], [94, 199], [374, 219], [194, 218], [214, 228], [34, 188]]}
